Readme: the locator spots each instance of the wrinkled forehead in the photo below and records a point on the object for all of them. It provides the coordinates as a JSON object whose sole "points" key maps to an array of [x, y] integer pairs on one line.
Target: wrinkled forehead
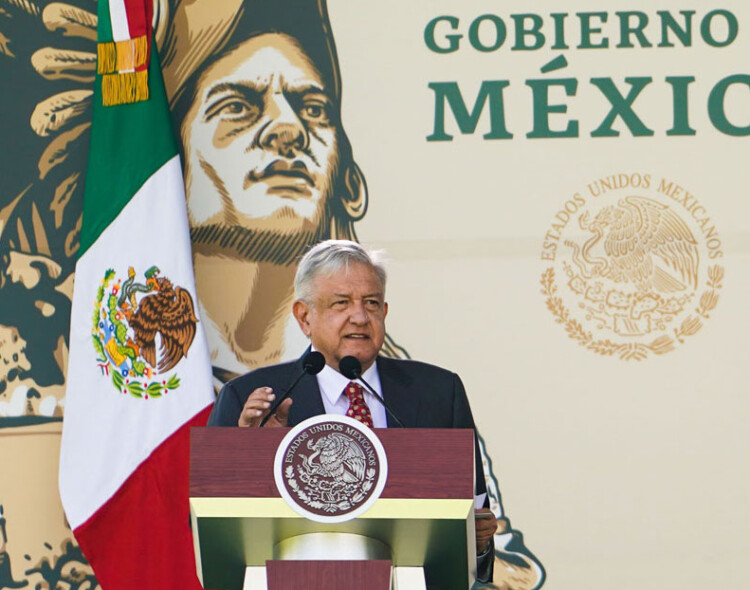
{"points": [[262, 60], [348, 278]]}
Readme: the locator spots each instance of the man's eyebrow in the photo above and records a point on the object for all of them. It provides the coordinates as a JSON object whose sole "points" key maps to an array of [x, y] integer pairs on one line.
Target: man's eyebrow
{"points": [[365, 296]]}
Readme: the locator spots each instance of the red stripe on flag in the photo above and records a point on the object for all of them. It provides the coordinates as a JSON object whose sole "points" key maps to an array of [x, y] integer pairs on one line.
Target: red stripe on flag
{"points": [[141, 539], [140, 14]]}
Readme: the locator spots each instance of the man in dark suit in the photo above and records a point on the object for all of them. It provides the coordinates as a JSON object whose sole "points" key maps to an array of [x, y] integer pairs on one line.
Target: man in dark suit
{"points": [[340, 306]]}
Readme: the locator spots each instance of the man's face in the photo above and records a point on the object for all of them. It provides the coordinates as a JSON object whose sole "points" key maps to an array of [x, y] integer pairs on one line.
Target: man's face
{"points": [[261, 144], [346, 315]]}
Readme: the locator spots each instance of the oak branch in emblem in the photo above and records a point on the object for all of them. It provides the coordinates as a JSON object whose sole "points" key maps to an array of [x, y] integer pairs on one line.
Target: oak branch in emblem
{"points": [[645, 243], [169, 312]]}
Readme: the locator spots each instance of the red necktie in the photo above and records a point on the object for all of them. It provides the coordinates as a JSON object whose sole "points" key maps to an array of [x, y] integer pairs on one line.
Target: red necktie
{"points": [[358, 409]]}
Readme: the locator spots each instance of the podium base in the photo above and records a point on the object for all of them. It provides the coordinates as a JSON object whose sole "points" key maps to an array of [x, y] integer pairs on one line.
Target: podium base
{"points": [[360, 562], [332, 575]]}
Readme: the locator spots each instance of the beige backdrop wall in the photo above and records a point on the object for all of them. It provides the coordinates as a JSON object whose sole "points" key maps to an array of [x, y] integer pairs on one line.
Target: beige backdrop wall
{"points": [[621, 474], [601, 344]]}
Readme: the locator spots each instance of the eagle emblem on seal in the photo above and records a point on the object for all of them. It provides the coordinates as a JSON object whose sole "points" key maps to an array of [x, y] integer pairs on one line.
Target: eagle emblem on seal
{"points": [[335, 478], [336, 457], [645, 244], [130, 317]]}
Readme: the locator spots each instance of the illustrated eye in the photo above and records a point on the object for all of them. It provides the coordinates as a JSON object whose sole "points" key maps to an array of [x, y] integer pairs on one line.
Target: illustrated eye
{"points": [[233, 108], [315, 111]]}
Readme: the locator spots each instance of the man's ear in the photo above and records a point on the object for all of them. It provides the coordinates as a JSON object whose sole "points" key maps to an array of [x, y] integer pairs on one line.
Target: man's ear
{"points": [[354, 193], [301, 311]]}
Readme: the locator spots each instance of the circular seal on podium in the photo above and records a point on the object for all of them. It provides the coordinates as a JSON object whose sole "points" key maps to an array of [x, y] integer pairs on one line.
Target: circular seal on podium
{"points": [[330, 468]]}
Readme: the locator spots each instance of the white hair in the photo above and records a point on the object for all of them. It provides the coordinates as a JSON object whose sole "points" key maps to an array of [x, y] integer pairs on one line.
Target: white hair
{"points": [[329, 257]]}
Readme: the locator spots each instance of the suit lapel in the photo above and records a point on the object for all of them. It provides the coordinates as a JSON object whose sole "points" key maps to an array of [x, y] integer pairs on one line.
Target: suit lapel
{"points": [[307, 401], [395, 382], [396, 385]]}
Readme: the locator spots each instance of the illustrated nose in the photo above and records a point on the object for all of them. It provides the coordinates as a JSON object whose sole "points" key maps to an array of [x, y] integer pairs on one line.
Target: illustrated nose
{"points": [[285, 134]]}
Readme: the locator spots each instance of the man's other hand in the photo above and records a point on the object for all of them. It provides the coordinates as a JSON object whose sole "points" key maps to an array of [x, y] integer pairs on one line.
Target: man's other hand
{"points": [[257, 406], [485, 529]]}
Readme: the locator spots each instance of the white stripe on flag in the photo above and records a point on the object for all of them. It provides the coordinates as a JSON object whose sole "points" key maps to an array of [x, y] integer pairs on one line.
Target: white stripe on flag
{"points": [[108, 434], [119, 19]]}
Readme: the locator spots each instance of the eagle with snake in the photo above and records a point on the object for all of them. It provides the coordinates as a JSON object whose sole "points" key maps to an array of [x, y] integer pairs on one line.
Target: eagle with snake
{"points": [[645, 243], [169, 312]]}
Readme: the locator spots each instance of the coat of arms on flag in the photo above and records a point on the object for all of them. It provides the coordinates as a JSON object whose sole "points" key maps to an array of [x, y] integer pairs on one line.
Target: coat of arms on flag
{"points": [[129, 316]]}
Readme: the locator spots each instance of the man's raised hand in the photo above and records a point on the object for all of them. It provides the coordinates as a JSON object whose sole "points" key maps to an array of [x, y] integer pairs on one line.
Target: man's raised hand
{"points": [[257, 407]]}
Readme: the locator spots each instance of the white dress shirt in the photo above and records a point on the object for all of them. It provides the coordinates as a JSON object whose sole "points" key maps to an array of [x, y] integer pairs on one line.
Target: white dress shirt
{"points": [[332, 385]]}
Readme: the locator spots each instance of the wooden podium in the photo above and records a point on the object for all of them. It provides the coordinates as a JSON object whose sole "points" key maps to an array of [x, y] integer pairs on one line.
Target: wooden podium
{"points": [[248, 538]]}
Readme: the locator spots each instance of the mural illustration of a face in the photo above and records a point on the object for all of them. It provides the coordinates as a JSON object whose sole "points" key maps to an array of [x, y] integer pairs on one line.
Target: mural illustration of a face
{"points": [[268, 172], [261, 147]]}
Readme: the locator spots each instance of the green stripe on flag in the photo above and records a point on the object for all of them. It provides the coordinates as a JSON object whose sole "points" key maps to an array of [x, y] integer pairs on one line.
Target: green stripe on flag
{"points": [[104, 26], [129, 143]]}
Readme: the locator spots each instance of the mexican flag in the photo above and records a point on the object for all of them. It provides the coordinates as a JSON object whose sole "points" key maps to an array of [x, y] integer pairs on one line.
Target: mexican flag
{"points": [[139, 374]]}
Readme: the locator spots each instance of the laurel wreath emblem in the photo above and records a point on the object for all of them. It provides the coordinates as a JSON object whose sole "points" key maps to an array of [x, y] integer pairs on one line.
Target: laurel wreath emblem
{"points": [[629, 351], [319, 494]]}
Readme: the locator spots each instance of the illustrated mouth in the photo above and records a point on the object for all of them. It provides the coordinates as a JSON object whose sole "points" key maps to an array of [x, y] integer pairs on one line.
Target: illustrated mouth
{"points": [[280, 170], [289, 174]]}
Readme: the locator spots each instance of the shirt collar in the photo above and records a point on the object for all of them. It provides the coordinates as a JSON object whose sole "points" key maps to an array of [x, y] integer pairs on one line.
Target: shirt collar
{"points": [[332, 383]]}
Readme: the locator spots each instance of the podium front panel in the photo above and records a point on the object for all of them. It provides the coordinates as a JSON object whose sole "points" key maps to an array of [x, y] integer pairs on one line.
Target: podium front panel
{"points": [[425, 513]]}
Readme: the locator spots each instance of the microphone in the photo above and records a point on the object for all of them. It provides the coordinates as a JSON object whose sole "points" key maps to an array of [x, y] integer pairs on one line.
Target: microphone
{"points": [[351, 368], [312, 364]]}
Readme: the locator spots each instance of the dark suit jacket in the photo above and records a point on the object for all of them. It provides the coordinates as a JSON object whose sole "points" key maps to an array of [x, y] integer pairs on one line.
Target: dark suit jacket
{"points": [[421, 395]]}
